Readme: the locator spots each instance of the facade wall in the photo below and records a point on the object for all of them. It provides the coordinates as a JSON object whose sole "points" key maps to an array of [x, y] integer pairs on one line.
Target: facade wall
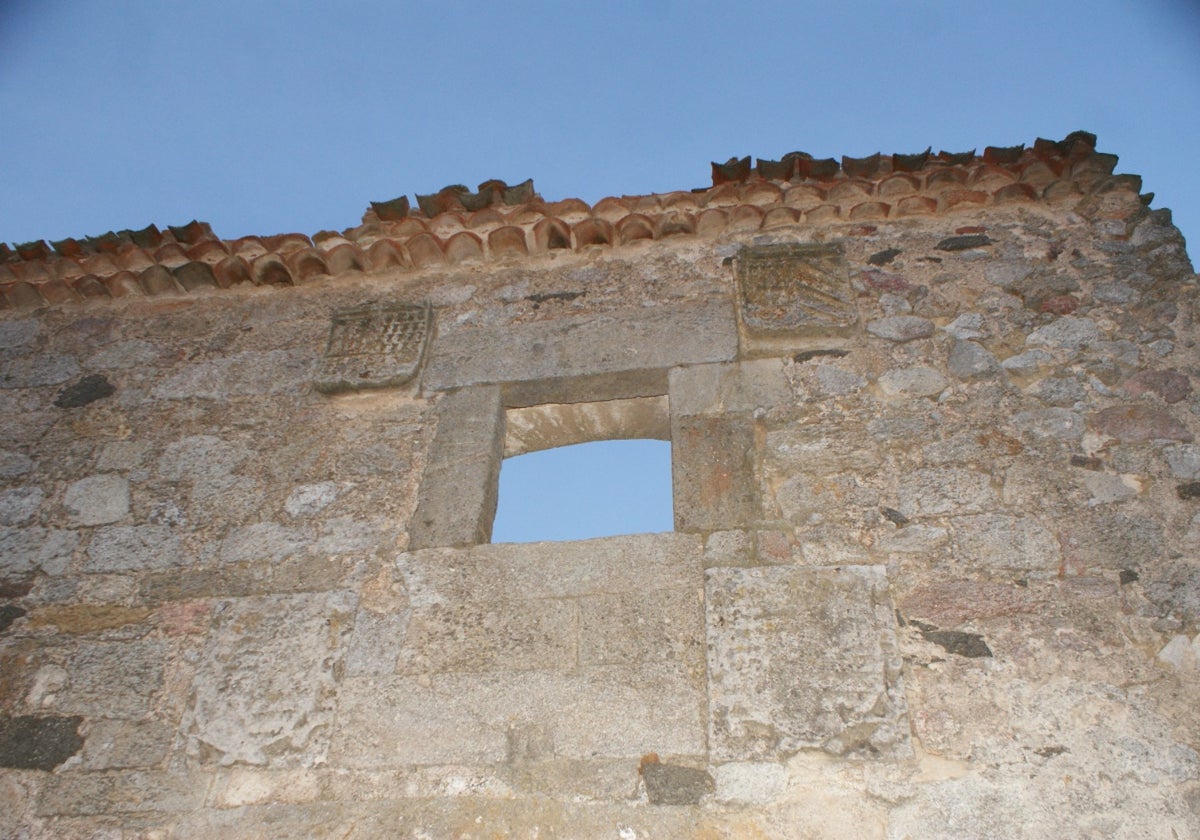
{"points": [[934, 571]]}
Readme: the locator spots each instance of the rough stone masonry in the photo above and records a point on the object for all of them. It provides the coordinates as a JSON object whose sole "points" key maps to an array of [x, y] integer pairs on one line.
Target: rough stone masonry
{"points": [[935, 570]]}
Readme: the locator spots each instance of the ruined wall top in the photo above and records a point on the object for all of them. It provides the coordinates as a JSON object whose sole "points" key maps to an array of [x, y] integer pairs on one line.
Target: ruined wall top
{"points": [[502, 223]]}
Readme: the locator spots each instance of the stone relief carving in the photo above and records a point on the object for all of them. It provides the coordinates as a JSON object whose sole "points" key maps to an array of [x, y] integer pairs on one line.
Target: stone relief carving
{"points": [[375, 346], [793, 290]]}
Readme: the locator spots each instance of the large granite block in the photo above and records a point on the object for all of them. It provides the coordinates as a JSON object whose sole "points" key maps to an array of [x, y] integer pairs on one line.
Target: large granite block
{"points": [[803, 658], [652, 338]]}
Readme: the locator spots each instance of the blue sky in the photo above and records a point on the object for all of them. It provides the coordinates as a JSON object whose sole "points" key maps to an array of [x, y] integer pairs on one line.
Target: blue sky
{"points": [[262, 117]]}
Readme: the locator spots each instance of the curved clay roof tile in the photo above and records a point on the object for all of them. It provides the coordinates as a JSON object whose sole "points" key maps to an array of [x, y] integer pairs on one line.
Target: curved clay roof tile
{"points": [[507, 240]]}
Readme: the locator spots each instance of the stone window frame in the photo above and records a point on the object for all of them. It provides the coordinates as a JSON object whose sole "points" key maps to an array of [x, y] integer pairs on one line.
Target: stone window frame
{"points": [[713, 450]]}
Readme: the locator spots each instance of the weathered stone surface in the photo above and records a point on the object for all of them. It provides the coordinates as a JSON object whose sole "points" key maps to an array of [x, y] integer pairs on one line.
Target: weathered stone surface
{"points": [[110, 679], [19, 504], [614, 710], [1184, 460], [250, 374], [1056, 423], [122, 792], [1171, 385], [112, 745], [38, 743], [712, 470], [13, 464], [24, 550], [610, 565], [718, 388], [1066, 333], [40, 369], [260, 650], [913, 382], [1113, 541], [802, 658], [490, 635], [664, 625], [901, 328], [672, 784], [1027, 362], [1138, 423], [965, 327], [1005, 542], [118, 548], [969, 360], [97, 499], [835, 381], [458, 490], [938, 491], [18, 333], [654, 338], [262, 542], [311, 498], [749, 782]]}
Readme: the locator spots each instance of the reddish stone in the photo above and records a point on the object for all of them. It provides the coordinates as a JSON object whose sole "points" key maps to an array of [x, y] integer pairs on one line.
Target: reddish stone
{"points": [[1060, 304], [970, 229], [1138, 424], [180, 618], [860, 230], [884, 281], [953, 602], [1172, 385]]}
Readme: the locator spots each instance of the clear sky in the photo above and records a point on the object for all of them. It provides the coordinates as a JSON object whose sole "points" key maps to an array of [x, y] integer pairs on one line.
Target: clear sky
{"points": [[264, 117]]}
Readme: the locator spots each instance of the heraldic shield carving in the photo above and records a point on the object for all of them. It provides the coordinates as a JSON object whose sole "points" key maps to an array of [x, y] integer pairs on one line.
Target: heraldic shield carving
{"points": [[374, 346], [794, 291]]}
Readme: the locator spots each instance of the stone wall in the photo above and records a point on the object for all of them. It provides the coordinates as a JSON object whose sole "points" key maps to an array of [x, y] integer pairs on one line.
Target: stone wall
{"points": [[935, 570]]}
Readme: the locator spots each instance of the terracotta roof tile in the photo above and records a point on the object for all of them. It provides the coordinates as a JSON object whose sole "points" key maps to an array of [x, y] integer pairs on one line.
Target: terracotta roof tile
{"points": [[911, 163], [550, 234], [232, 271], [866, 167], [123, 284], [502, 222], [465, 246], [592, 231], [734, 170], [956, 158], [425, 249], [385, 253], [157, 280], [782, 217], [869, 210], [916, 205], [634, 227], [270, 270], [195, 275]]}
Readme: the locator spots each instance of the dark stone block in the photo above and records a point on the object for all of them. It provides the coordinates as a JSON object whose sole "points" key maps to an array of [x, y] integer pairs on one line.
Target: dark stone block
{"points": [[15, 587], [87, 390], [884, 257], [8, 614], [963, 243], [38, 743], [1188, 490], [970, 645], [671, 784], [808, 355], [1128, 576]]}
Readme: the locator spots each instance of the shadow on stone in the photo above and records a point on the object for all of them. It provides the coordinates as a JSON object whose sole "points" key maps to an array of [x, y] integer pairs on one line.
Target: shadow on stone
{"points": [[38, 743]]}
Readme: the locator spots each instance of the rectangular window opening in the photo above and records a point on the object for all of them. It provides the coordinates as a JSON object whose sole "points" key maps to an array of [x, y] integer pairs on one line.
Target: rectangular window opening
{"points": [[582, 470]]}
